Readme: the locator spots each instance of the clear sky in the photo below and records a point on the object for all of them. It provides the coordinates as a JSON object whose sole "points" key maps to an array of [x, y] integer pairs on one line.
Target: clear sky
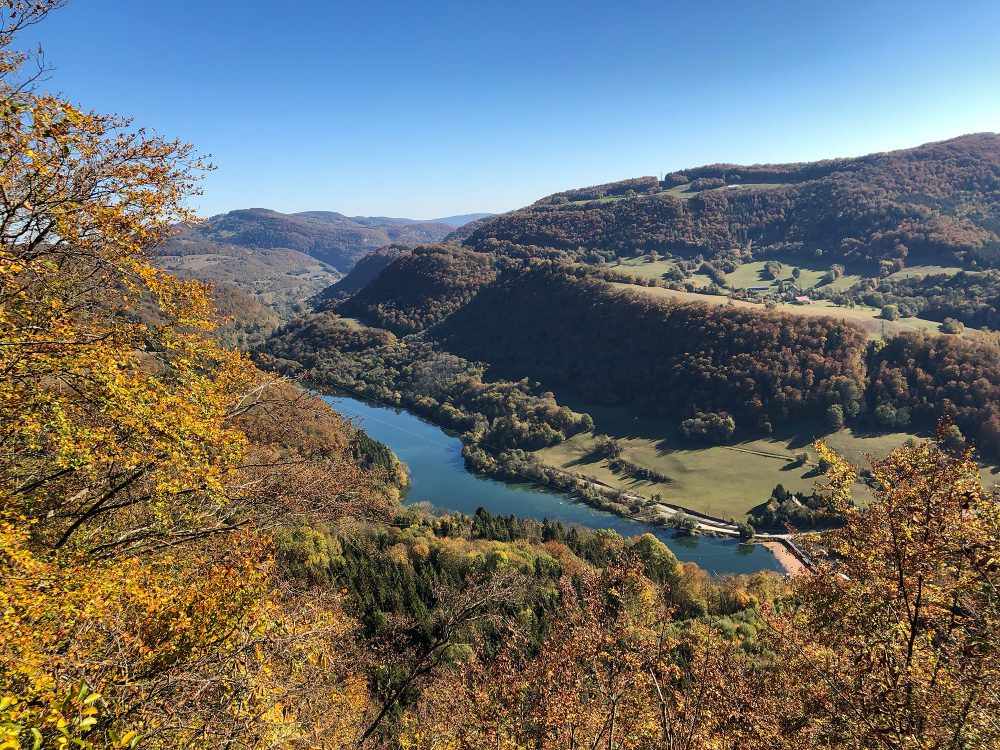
{"points": [[425, 109]]}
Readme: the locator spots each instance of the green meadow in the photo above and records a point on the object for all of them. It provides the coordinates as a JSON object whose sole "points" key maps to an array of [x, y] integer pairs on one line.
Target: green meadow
{"points": [[720, 481]]}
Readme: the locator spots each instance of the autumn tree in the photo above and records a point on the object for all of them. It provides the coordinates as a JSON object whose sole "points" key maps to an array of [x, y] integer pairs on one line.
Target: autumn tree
{"points": [[615, 672], [895, 641], [129, 445]]}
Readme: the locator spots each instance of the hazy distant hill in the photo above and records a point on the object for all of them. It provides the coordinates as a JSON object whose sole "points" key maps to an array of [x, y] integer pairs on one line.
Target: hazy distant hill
{"points": [[364, 272], [278, 277], [938, 202], [461, 220], [451, 221], [284, 259]]}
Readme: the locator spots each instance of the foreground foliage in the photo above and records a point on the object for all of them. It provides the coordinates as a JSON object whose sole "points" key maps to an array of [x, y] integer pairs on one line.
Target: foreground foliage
{"points": [[195, 554], [128, 449], [891, 643]]}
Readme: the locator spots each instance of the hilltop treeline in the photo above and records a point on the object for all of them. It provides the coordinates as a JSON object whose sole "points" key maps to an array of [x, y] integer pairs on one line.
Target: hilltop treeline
{"points": [[618, 347], [420, 288], [935, 201]]}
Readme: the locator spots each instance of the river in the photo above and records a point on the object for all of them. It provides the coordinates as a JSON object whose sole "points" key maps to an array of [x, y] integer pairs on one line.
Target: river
{"points": [[438, 476]]}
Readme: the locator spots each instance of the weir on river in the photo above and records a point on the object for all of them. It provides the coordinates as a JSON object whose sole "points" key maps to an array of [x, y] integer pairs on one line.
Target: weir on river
{"points": [[438, 476]]}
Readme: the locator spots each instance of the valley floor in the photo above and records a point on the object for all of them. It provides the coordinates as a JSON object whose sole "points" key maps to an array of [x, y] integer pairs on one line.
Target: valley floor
{"points": [[721, 482]]}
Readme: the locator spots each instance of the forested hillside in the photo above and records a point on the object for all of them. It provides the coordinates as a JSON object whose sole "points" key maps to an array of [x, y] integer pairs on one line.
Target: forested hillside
{"points": [[920, 379], [667, 358], [937, 202], [420, 288], [745, 366]]}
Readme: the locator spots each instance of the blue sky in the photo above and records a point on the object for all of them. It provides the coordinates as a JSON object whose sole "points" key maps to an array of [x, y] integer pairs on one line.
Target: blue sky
{"points": [[426, 109]]}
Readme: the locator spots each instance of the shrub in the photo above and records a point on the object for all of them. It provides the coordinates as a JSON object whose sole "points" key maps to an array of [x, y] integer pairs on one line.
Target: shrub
{"points": [[950, 325], [890, 312], [712, 427], [891, 417], [952, 438]]}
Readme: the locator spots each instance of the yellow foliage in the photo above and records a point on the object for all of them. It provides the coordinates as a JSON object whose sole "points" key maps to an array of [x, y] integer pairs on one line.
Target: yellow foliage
{"points": [[138, 600]]}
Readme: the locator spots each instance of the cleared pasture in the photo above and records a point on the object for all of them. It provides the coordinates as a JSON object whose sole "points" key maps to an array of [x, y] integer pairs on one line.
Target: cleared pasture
{"points": [[867, 317], [720, 481], [919, 271]]}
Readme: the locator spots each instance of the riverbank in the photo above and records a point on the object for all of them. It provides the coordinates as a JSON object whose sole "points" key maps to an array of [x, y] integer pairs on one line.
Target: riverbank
{"points": [[789, 557], [592, 492], [440, 477], [789, 562]]}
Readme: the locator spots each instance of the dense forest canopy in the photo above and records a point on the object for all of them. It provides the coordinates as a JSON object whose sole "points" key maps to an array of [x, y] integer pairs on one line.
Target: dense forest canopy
{"points": [[420, 288], [664, 357], [563, 324]]}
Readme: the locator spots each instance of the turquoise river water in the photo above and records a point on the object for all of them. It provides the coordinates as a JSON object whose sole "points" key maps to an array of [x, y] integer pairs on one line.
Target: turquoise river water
{"points": [[438, 476]]}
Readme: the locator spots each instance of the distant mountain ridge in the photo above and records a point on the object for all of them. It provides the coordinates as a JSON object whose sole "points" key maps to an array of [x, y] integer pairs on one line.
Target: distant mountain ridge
{"points": [[282, 260], [327, 236], [389, 221]]}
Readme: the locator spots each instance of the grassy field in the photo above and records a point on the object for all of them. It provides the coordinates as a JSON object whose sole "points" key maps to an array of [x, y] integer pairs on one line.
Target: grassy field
{"points": [[916, 271], [644, 269], [721, 481], [606, 199], [747, 275], [752, 274], [867, 317], [686, 193]]}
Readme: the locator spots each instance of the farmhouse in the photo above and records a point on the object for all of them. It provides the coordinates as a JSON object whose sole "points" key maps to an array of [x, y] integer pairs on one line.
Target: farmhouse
{"points": [[803, 300]]}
